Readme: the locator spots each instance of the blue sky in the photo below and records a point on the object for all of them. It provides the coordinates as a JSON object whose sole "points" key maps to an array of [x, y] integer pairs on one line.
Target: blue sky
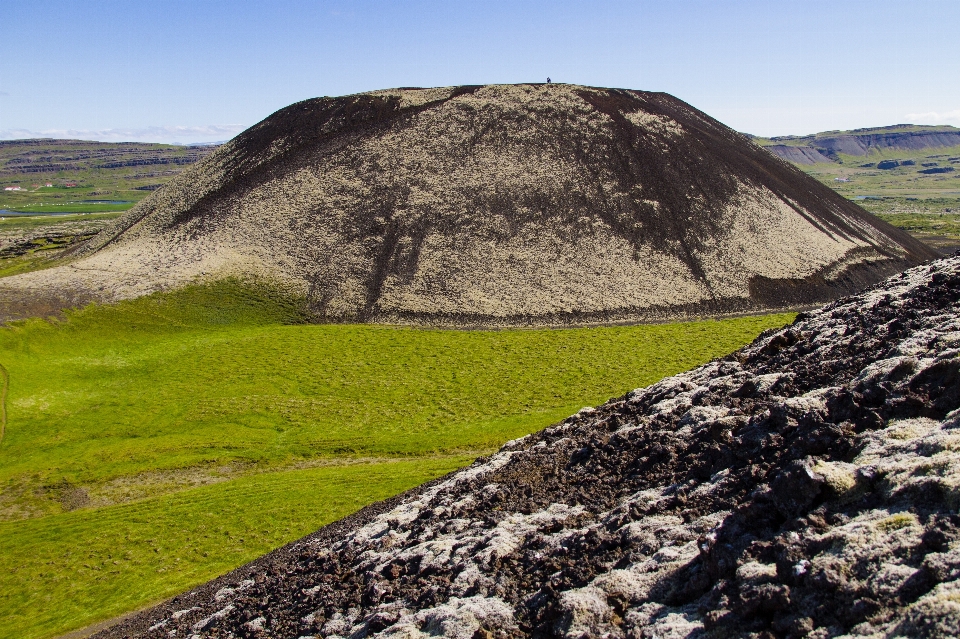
{"points": [[201, 70]]}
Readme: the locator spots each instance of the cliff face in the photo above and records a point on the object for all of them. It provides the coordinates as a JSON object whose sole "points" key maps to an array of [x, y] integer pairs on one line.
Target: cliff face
{"points": [[806, 485], [799, 154], [497, 205], [824, 147], [19, 157], [909, 141]]}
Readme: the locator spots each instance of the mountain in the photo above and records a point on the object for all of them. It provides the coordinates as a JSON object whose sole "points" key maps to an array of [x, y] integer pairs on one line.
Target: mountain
{"points": [[492, 205], [806, 485], [828, 146]]}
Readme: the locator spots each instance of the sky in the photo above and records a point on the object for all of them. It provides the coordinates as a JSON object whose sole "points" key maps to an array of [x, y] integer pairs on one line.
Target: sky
{"points": [[203, 70]]}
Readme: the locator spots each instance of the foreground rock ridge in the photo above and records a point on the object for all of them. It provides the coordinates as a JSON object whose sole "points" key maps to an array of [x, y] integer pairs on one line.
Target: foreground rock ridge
{"points": [[496, 205], [806, 485]]}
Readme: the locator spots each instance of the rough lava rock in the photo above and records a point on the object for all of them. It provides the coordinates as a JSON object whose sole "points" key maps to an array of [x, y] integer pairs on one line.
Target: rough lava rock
{"points": [[807, 485]]}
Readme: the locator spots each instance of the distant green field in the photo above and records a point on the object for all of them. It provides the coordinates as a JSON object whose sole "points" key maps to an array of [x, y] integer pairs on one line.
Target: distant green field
{"points": [[83, 170], [946, 225], [902, 181], [154, 444], [30, 222], [901, 189], [806, 140], [71, 207], [57, 201]]}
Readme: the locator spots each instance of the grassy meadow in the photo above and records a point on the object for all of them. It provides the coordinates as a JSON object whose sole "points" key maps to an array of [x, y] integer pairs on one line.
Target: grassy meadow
{"points": [[74, 207], [100, 197], [154, 444], [22, 224]]}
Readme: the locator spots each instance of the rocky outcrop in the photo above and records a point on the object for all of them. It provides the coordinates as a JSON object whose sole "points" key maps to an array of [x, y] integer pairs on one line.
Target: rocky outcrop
{"points": [[19, 157], [804, 486], [496, 205], [863, 144], [824, 147]]}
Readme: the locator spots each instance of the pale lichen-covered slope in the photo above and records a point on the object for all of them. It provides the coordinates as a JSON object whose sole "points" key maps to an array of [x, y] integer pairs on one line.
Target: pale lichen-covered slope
{"points": [[497, 204], [805, 486]]}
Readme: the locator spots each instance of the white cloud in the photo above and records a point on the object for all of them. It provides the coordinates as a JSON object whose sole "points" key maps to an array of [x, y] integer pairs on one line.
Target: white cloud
{"points": [[933, 116], [168, 134]]}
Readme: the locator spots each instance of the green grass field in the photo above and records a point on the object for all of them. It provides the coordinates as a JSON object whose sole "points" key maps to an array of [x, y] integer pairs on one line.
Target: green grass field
{"points": [[71, 569], [59, 201], [154, 444], [62, 208], [900, 182], [947, 225], [52, 222]]}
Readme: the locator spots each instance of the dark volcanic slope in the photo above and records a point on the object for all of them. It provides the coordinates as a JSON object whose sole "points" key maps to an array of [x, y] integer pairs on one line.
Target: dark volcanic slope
{"points": [[807, 485], [499, 204]]}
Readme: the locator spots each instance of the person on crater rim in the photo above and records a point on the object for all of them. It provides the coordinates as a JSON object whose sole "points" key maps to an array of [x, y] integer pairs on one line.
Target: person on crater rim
{"points": [[548, 80]]}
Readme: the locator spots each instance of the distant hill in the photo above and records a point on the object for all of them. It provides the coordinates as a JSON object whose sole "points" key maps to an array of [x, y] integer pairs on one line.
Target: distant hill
{"points": [[829, 146], [492, 205], [136, 163]]}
